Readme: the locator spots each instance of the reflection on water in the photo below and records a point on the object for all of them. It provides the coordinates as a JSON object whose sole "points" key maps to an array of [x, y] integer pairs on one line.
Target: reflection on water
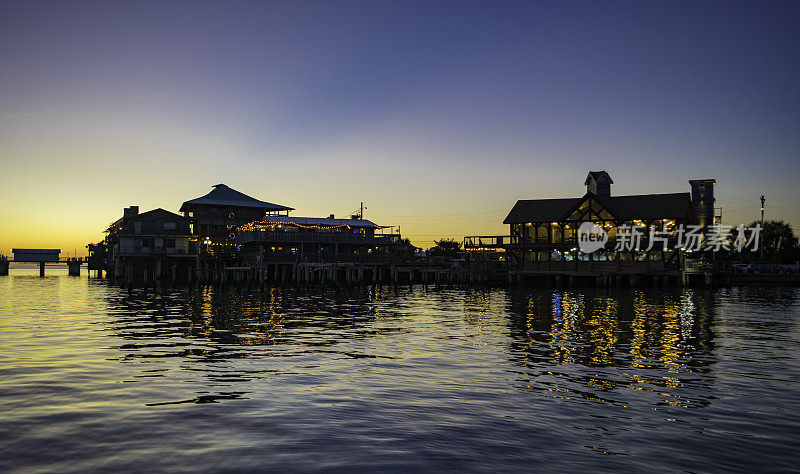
{"points": [[94, 377], [658, 342]]}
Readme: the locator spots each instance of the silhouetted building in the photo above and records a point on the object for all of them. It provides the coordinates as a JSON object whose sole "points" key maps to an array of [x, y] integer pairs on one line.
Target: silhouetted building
{"points": [[213, 218], [153, 246], [544, 232], [156, 232], [313, 239], [703, 201]]}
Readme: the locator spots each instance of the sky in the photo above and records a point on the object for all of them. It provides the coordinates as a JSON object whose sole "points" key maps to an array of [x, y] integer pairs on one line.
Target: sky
{"points": [[439, 116]]}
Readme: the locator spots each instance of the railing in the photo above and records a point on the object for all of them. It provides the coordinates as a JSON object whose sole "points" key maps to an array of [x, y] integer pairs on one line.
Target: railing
{"points": [[316, 237], [346, 259], [570, 240], [594, 266], [158, 231], [486, 241], [133, 250], [60, 260], [325, 257], [696, 265]]}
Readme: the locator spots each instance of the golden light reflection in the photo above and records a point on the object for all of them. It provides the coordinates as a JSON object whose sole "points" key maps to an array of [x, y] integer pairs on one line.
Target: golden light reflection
{"points": [[651, 336], [265, 322], [604, 321], [639, 328], [567, 311]]}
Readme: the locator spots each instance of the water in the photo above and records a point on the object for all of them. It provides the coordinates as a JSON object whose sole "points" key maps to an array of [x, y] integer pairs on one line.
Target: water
{"points": [[95, 378]]}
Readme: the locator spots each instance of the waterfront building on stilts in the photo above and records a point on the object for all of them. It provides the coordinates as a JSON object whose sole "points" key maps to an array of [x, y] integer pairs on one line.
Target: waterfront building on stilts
{"points": [[543, 240], [150, 247]]}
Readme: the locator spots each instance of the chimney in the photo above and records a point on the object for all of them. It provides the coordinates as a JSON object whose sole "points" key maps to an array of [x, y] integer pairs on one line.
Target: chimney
{"points": [[598, 183], [331, 217], [131, 211], [703, 201]]}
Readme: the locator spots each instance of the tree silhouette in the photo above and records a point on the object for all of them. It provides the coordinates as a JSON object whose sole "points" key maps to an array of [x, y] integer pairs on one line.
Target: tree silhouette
{"points": [[446, 248], [778, 241]]}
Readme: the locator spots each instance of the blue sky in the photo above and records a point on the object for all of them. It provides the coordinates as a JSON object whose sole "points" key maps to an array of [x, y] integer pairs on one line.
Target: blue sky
{"points": [[439, 115]]}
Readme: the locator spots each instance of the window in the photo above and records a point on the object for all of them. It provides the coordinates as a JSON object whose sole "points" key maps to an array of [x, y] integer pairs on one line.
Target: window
{"points": [[556, 233], [544, 256], [137, 227], [170, 243], [170, 226], [569, 232], [542, 233]]}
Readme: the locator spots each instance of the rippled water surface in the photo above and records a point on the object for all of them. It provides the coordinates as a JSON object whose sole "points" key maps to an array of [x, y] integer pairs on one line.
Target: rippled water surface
{"points": [[93, 377]]}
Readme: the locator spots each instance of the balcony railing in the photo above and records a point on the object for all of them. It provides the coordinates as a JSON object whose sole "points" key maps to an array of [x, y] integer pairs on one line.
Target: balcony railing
{"points": [[595, 266], [134, 250], [329, 258], [153, 230], [316, 237], [485, 241]]}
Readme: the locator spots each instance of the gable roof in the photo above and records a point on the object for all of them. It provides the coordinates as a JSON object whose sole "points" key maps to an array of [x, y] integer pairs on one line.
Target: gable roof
{"points": [[598, 176], [540, 210], [642, 206], [647, 206], [222, 195], [154, 214]]}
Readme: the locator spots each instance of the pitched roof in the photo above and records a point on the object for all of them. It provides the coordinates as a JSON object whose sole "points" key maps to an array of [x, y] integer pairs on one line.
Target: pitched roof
{"points": [[320, 221], [597, 175], [643, 206], [155, 213], [159, 213], [222, 195], [647, 206], [539, 210]]}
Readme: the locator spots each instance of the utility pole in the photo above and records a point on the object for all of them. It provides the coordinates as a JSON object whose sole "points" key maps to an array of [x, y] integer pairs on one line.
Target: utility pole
{"points": [[361, 214], [761, 252]]}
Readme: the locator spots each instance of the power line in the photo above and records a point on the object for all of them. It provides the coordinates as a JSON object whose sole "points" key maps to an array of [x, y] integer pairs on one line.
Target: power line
{"points": [[738, 199], [740, 209], [755, 198], [785, 200], [445, 215], [755, 207]]}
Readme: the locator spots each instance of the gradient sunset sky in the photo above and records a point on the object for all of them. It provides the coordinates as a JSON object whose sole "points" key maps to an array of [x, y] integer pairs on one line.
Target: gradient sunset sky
{"points": [[438, 115]]}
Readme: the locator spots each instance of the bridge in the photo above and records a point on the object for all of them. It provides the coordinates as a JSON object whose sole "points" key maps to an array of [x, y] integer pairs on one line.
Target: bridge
{"points": [[42, 257]]}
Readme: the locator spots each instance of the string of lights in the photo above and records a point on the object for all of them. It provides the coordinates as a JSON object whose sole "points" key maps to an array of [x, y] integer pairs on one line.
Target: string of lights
{"points": [[264, 225]]}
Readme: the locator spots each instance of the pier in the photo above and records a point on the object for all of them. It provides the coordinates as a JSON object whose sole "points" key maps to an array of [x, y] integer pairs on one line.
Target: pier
{"points": [[43, 257], [338, 274]]}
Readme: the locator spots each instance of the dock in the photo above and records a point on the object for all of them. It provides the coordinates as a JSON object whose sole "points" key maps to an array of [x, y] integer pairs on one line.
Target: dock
{"points": [[42, 257]]}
